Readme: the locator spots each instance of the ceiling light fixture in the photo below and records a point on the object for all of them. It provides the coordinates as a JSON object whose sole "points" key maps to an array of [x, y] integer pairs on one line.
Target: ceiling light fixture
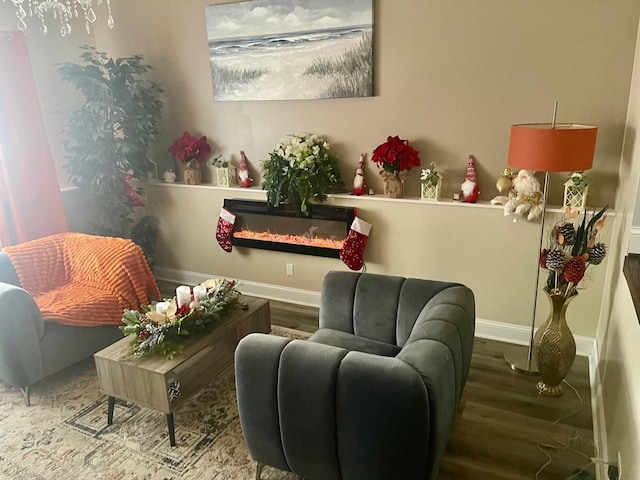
{"points": [[62, 10]]}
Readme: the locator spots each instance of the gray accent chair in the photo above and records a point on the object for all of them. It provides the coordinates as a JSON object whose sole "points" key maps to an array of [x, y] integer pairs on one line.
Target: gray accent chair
{"points": [[32, 349], [373, 393]]}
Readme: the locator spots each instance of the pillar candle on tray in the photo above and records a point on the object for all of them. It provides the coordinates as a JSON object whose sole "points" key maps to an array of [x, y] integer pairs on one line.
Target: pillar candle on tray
{"points": [[183, 295], [199, 292], [162, 307]]}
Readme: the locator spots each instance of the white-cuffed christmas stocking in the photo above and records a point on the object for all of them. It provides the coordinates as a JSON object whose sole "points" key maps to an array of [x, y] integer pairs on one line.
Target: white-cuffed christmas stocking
{"points": [[353, 246], [224, 231]]}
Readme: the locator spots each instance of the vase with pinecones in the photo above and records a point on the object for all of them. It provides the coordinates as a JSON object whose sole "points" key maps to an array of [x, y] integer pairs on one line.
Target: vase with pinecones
{"points": [[571, 253]]}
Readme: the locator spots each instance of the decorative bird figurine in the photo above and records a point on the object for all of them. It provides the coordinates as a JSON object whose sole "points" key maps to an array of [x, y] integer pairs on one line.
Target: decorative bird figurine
{"points": [[243, 171], [470, 189], [359, 187]]}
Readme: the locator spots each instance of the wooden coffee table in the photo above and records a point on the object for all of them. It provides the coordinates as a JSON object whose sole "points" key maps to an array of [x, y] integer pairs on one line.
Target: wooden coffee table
{"points": [[152, 381]]}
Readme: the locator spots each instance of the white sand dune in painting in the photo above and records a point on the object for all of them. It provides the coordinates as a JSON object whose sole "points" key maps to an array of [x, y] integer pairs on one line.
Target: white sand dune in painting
{"points": [[285, 65]]}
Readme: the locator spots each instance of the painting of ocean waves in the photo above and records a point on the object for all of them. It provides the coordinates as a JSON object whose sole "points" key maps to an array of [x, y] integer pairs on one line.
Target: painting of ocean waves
{"points": [[261, 43], [289, 49]]}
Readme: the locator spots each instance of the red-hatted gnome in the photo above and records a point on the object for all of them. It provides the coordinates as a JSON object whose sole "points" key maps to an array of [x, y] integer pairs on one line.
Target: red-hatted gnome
{"points": [[470, 189], [243, 171], [359, 187]]}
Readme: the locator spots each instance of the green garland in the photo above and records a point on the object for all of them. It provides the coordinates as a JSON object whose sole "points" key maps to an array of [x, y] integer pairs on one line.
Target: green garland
{"points": [[164, 332]]}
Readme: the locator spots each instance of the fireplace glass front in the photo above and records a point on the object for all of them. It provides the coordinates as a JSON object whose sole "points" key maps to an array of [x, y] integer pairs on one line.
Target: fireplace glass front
{"points": [[260, 226]]}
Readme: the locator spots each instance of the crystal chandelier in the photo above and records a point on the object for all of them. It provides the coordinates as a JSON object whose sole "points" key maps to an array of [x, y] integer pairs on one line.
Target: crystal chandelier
{"points": [[62, 10]]}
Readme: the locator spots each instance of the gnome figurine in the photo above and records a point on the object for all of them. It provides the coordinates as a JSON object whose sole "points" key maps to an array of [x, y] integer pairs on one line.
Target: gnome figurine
{"points": [[359, 187], [243, 171], [470, 189]]}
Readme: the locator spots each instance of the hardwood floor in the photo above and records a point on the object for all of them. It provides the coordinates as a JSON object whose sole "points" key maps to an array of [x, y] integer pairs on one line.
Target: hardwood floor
{"points": [[502, 418]]}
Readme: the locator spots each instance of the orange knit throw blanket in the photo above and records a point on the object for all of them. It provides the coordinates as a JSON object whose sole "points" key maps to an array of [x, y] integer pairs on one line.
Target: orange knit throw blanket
{"points": [[83, 280]]}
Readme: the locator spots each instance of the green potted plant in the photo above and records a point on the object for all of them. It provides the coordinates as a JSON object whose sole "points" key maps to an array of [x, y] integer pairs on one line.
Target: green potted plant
{"points": [[300, 168], [108, 137]]}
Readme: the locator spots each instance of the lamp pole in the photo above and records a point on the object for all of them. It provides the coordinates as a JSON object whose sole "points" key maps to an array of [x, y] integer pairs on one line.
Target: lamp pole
{"points": [[514, 355]]}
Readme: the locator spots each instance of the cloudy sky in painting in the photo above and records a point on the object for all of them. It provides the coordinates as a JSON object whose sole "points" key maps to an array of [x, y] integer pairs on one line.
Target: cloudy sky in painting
{"points": [[263, 17]]}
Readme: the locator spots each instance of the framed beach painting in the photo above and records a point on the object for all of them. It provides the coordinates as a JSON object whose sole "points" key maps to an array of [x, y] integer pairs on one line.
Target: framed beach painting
{"points": [[291, 49]]}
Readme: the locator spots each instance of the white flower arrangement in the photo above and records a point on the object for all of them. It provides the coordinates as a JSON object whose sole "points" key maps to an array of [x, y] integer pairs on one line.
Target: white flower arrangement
{"points": [[301, 167]]}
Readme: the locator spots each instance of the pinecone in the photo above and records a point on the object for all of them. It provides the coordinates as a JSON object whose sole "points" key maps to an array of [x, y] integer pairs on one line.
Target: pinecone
{"points": [[597, 253], [543, 258], [574, 270], [565, 233], [556, 260]]}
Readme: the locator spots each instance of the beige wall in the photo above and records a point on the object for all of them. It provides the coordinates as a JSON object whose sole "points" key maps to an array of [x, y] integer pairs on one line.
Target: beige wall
{"points": [[619, 330], [475, 245], [450, 76]]}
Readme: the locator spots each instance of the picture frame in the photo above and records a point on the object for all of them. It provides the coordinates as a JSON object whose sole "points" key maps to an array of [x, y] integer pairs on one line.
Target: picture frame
{"points": [[290, 49]]}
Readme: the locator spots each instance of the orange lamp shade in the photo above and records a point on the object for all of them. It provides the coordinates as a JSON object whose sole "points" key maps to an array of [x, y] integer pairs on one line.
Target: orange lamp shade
{"points": [[542, 147]]}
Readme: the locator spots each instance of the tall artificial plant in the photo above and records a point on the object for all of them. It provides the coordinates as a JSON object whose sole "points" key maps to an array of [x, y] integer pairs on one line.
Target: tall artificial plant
{"points": [[108, 138]]}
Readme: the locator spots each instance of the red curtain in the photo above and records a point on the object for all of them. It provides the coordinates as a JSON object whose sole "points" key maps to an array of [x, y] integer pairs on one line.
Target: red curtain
{"points": [[30, 201]]}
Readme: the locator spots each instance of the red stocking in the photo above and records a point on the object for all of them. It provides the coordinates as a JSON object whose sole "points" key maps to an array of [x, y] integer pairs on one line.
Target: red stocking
{"points": [[225, 229], [353, 246]]}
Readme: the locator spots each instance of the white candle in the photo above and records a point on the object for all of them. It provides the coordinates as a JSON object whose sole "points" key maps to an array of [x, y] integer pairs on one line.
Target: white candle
{"points": [[199, 292], [183, 295], [162, 307]]}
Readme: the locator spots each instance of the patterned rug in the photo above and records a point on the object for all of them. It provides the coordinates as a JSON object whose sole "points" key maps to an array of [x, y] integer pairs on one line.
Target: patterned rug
{"points": [[64, 434]]}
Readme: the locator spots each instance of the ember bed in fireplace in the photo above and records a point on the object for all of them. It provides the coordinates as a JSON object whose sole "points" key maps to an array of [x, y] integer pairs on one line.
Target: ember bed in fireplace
{"points": [[260, 226]]}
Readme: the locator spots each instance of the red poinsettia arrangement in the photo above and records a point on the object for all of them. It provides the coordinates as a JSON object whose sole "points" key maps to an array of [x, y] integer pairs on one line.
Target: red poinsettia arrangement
{"points": [[572, 251], [396, 155], [188, 148]]}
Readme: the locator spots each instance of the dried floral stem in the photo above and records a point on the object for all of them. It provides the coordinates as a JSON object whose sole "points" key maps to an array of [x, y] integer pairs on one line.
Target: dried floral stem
{"points": [[570, 289]]}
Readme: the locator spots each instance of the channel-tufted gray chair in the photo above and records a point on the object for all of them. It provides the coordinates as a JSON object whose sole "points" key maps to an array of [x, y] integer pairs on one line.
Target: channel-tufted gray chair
{"points": [[373, 393]]}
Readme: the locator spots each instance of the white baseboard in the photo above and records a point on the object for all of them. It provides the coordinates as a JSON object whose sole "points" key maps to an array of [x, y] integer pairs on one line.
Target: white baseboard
{"points": [[488, 329], [254, 289], [519, 335], [634, 240], [597, 415]]}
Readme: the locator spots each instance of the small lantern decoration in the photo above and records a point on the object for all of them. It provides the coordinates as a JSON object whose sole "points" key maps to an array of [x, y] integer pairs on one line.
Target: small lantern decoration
{"points": [[575, 191], [226, 173], [227, 177], [431, 182]]}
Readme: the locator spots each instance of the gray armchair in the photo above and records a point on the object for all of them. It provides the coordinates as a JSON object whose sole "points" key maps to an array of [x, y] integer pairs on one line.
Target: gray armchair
{"points": [[33, 344], [373, 393]]}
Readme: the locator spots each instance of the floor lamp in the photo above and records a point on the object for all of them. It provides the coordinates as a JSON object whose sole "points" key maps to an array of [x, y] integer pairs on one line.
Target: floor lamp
{"points": [[546, 147]]}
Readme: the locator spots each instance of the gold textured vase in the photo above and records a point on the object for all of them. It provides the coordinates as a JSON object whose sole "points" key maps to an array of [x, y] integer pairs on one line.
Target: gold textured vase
{"points": [[554, 346]]}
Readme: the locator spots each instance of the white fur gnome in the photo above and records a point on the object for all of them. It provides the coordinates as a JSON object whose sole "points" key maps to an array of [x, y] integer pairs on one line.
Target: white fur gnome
{"points": [[359, 187]]}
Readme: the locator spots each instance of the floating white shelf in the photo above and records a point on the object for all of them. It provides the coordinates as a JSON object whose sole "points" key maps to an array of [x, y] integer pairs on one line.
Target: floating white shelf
{"points": [[362, 198]]}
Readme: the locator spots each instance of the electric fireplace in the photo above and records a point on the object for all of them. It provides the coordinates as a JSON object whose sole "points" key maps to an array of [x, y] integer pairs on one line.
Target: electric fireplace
{"points": [[259, 225]]}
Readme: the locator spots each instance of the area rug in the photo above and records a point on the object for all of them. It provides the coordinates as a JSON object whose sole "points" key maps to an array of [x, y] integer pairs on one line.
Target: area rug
{"points": [[64, 434]]}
